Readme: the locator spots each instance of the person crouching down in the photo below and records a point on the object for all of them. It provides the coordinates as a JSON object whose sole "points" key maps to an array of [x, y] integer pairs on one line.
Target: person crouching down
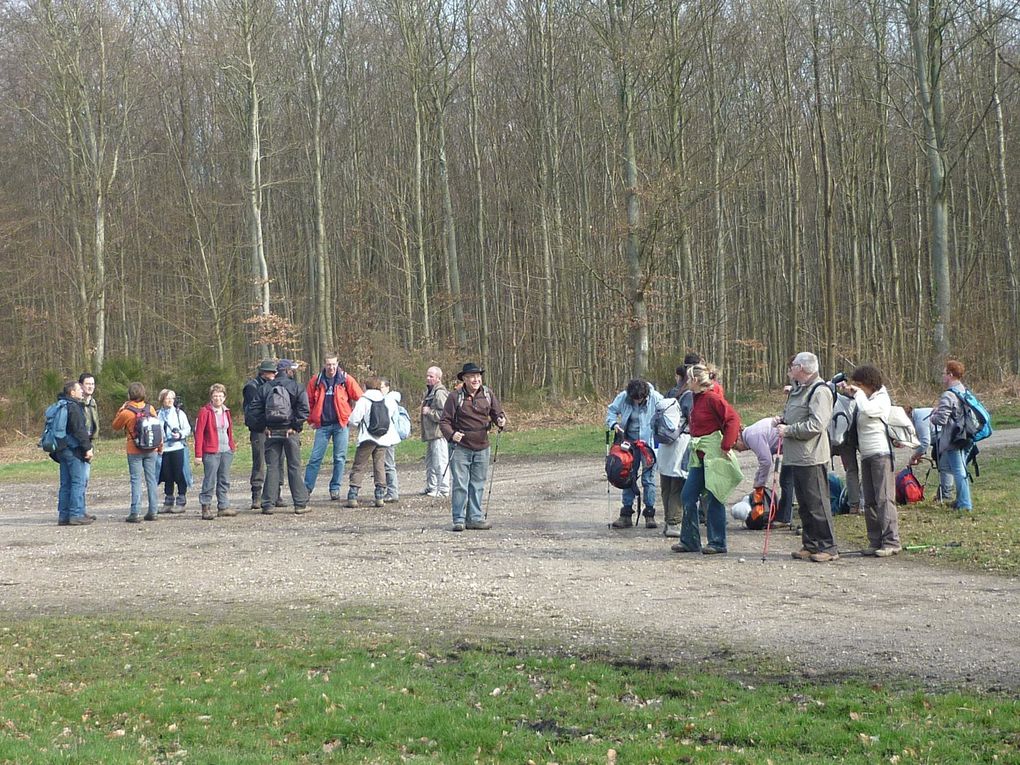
{"points": [[375, 416], [630, 416]]}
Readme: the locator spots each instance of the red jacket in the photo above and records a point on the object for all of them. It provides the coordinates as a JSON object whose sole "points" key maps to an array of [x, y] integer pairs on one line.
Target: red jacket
{"points": [[344, 397], [207, 440], [711, 412]]}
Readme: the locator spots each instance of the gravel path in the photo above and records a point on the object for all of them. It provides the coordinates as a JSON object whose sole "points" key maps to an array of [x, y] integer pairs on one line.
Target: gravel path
{"points": [[550, 572]]}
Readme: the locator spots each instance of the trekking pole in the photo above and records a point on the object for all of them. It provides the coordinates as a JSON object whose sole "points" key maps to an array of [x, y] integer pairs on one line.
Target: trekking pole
{"points": [[449, 459], [492, 474], [609, 506], [921, 548], [773, 502]]}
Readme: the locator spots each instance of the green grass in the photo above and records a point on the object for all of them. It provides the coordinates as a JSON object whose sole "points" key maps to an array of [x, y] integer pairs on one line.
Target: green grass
{"points": [[89, 690], [989, 537]]}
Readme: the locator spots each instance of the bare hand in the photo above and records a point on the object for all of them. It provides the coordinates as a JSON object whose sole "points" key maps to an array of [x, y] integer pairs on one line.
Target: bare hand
{"points": [[501, 422], [782, 430], [457, 437]]}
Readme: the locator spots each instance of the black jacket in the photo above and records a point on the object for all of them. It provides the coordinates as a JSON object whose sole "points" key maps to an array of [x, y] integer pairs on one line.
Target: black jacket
{"points": [[256, 413], [250, 392], [77, 428]]}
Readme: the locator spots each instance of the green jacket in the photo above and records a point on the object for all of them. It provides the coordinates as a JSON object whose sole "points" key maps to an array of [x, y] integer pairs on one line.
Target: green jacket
{"points": [[722, 471]]}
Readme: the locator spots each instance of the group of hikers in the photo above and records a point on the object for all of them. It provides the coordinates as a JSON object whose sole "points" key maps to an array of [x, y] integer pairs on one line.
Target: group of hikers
{"points": [[455, 427], [696, 432], [693, 429]]}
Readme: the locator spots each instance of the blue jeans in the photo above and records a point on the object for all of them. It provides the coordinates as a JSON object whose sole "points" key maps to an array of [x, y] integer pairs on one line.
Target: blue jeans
{"points": [[954, 462], [690, 530], [142, 467], [323, 435], [469, 470], [71, 497], [647, 488]]}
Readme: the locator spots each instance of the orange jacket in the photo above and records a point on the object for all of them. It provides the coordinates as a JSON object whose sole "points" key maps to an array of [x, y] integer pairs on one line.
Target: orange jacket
{"points": [[344, 397], [125, 420]]}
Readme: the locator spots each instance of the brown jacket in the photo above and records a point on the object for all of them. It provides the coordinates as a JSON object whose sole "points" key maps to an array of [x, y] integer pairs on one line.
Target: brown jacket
{"points": [[472, 416]]}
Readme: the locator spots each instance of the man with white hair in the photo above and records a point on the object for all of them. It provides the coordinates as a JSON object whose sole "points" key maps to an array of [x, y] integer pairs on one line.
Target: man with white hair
{"points": [[803, 428], [437, 450]]}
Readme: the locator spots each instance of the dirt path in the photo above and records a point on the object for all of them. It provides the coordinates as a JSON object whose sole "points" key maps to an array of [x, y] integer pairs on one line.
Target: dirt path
{"points": [[549, 572]]}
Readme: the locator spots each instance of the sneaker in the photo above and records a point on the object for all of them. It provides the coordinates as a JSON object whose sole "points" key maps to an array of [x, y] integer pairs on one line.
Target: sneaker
{"points": [[301, 509], [226, 512], [151, 516], [334, 496], [478, 525], [80, 520], [680, 547], [824, 557], [650, 523], [391, 500], [709, 550], [671, 531], [351, 502], [884, 552], [175, 510], [802, 554], [457, 527], [625, 521], [869, 552], [133, 518]]}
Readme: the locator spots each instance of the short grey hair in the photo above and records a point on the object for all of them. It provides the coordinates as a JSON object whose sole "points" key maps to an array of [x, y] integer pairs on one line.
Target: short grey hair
{"points": [[437, 370], [807, 361]]}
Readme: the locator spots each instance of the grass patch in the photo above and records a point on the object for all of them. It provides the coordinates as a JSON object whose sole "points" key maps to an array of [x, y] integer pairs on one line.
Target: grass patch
{"points": [[89, 690], [989, 537]]}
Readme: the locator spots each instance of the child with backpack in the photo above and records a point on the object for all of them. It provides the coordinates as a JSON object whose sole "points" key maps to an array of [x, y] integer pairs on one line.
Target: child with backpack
{"points": [[375, 415], [143, 432]]}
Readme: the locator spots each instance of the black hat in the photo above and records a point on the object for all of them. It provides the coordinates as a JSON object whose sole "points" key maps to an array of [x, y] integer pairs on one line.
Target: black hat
{"points": [[469, 368], [267, 365]]}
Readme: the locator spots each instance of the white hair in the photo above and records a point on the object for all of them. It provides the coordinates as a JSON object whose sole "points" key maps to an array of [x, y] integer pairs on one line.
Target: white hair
{"points": [[807, 361], [438, 372]]}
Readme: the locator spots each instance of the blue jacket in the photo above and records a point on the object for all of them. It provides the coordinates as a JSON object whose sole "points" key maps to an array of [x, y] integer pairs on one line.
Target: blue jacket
{"points": [[622, 411]]}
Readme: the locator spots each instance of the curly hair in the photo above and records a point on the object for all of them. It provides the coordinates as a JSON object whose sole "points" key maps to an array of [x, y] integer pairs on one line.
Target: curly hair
{"points": [[637, 390], [867, 375]]}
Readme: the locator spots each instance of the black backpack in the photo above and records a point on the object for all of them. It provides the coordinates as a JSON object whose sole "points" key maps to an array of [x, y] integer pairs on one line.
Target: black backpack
{"points": [[279, 408], [378, 419]]}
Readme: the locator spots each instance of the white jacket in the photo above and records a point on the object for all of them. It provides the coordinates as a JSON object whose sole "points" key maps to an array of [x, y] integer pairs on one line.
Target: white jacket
{"points": [[872, 413], [360, 416], [669, 458]]}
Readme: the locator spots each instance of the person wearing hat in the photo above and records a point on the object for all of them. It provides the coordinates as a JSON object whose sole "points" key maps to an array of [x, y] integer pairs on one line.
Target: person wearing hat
{"points": [[266, 371], [467, 416]]}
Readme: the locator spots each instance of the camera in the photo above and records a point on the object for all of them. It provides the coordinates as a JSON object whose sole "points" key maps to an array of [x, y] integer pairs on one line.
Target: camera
{"points": [[179, 403], [838, 379]]}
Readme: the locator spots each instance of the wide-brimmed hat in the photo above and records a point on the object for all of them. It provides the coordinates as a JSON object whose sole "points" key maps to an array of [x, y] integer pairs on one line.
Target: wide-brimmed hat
{"points": [[470, 368], [267, 365]]}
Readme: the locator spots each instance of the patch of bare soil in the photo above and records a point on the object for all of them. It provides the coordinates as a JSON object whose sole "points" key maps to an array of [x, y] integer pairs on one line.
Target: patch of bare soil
{"points": [[550, 572]]}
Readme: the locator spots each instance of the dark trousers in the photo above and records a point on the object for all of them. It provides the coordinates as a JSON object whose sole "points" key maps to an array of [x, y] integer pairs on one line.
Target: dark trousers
{"points": [[172, 473], [811, 483], [784, 511], [671, 488], [258, 463], [277, 449]]}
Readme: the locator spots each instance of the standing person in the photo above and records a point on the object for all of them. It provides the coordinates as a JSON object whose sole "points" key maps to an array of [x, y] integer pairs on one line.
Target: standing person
{"points": [[280, 410], [257, 437], [375, 417], [214, 445], [671, 459], [877, 483], [392, 479], [762, 439], [629, 416], [141, 462], [714, 426], [920, 416], [331, 395], [952, 461], [73, 456], [803, 428], [468, 415], [173, 471], [91, 409], [437, 449], [847, 453]]}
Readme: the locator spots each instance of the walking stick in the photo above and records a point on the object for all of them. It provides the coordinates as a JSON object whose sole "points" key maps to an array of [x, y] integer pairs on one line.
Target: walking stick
{"points": [[773, 502], [492, 474], [609, 506]]}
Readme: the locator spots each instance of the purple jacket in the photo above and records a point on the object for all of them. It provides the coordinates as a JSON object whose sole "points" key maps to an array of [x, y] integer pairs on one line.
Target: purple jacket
{"points": [[762, 438]]}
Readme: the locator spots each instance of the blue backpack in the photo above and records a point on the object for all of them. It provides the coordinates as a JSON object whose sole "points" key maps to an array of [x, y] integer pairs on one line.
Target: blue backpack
{"points": [[975, 421], [403, 423], [54, 436]]}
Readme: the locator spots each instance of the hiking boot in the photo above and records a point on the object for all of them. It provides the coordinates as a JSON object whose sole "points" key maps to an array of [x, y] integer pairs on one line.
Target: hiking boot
{"points": [[181, 500], [80, 520], [709, 550], [824, 557], [650, 523], [133, 518], [151, 516], [207, 513], [66, 522], [334, 496], [457, 527], [625, 521], [256, 500], [680, 547], [282, 503], [802, 554], [780, 525], [869, 552], [301, 509], [226, 512], [884, 552], [267, 511], [671, 531], [351, 502], [482, 525], [378, 502], [854, 510], [168, 503]]}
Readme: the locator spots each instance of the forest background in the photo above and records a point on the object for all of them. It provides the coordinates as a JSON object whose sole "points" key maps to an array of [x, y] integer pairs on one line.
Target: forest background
{"points": [[571, 193]]}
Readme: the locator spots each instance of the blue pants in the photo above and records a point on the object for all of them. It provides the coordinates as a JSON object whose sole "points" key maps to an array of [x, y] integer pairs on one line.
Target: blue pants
{"points": [[71, 497], [469, 470], [647, 489], [690, 530], [339, 435]]}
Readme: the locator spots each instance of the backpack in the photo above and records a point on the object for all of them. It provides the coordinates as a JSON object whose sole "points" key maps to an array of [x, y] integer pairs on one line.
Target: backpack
{"points": [[842, 427], [54, 436], [839, 499], [759, 515], [403, 423], [900, 428], [279, 409], [148, 432], [624, 462], [668, 421], [908, 489], [378, 419], [974, 418]]}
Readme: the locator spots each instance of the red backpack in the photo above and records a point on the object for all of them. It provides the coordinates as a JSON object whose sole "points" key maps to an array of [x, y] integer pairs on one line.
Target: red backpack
{"points": [[625, 460], [908, 489]]}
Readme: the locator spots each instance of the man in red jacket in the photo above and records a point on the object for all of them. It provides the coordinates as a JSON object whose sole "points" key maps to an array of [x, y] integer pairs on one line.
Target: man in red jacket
{"points": [[331, 397]]}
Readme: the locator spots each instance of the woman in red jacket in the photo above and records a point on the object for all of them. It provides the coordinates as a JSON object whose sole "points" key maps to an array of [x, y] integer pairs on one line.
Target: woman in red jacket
{"points": [[214, 445]]}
